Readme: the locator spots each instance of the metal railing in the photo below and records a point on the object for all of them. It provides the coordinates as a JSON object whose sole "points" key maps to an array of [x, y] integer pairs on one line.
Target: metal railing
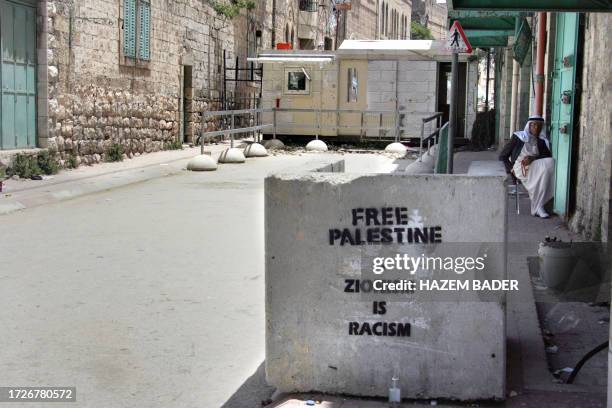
{"points": [[431, 135], [228, 129]]}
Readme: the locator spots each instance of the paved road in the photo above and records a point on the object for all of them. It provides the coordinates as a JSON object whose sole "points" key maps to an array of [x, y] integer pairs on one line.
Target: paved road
{"points": [[151, 295]]}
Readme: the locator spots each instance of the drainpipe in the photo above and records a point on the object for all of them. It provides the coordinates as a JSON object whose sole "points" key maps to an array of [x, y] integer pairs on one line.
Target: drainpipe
{"points": [[539, 79], [273, 24], [513, 98]]}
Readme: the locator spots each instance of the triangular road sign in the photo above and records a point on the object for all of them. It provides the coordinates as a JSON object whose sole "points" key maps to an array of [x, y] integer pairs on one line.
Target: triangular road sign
{"points": [[457, 41]]}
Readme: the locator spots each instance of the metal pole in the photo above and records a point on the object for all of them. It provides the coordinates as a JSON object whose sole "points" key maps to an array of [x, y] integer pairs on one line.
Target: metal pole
{"points": [[202, 133], [232, 135], [452, 125], [488, 80], [224, 101], [361, 131], [421, 144], [397, 136], [273, 123]]}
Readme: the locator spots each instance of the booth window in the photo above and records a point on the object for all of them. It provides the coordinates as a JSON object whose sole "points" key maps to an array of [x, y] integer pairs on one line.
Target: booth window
{"points": [[297, 81], [353, 85]]}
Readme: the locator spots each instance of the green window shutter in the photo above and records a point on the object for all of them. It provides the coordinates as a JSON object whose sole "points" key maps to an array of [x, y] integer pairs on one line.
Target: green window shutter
{"points": [[144, 40], [129, 28]]}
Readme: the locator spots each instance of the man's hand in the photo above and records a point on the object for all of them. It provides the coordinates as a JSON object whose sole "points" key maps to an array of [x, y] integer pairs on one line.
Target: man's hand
{"points": [[528, 160]]}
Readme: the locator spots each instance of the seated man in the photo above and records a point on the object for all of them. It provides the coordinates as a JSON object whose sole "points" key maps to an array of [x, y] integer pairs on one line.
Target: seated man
{"points": [[527, 156]]}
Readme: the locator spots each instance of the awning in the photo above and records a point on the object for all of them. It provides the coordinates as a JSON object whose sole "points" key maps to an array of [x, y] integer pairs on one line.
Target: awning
{"points": [[531, 5], [486, 29]]}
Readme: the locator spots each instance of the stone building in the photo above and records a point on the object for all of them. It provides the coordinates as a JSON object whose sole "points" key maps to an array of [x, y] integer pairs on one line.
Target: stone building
{"points": [[375, 20], [433, 15], [104, 72], [79, 76]]}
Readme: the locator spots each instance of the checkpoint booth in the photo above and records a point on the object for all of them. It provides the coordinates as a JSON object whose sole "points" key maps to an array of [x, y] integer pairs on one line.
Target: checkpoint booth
{"points": [[364, 89]]}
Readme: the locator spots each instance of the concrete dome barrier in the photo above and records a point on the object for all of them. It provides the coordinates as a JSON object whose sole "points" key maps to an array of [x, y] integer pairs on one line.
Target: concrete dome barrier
{"points": [[255, 150], [316, 146], [202, 162], [274, 144], [419, 167], [428, 158], [232, 155], [396, 147], [433, 150]]}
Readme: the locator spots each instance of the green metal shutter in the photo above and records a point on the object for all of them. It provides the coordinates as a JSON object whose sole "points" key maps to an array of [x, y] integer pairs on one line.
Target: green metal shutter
{"points": [[144, 48], [129, 28], [17, 75]]}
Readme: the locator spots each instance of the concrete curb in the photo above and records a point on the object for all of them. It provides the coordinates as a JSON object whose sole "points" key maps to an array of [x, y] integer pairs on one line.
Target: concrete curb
{"points": [[54, 193]]}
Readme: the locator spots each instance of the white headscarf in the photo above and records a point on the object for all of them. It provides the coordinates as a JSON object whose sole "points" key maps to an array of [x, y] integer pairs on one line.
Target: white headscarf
{"points": [[524, 134]]}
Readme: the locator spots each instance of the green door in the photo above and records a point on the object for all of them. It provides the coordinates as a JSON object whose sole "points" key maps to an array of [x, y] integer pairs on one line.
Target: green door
{"points": [[18, 75], [562, 103]]}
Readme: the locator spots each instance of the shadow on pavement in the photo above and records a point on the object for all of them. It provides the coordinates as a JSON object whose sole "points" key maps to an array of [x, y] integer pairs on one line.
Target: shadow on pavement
{"points": [[252, 392]]}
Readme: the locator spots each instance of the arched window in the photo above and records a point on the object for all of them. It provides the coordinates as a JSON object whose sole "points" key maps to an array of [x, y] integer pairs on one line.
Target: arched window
{"points": [[386, 19], [287, 33]]}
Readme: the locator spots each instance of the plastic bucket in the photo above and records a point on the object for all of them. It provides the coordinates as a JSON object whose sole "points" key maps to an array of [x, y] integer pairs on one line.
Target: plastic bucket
{"points": [[557, 261]]}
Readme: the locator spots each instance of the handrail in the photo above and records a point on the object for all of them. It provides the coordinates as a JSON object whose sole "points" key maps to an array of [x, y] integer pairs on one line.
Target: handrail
{"points": [[437, 117]]}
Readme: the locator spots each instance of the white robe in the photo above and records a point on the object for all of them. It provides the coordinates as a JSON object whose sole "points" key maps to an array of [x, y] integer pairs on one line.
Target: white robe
{"points": [[540, 178]]}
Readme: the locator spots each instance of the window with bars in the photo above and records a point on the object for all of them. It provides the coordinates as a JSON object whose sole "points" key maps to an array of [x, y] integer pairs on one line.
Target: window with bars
{"points": [[137, 29]]}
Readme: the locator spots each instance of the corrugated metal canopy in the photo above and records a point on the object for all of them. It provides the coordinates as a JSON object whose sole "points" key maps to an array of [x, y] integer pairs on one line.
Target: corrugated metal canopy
{"points": [[486, 29], [531, 5]]}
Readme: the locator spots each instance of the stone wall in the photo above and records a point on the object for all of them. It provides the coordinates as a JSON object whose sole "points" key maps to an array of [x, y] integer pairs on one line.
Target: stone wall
{"points": [[471, 103], [593, 177], [97, 97], [504, 60]]}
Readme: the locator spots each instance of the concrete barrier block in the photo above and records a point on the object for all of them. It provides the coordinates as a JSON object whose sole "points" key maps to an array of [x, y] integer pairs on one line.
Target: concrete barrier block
{"points": [[453, 349]]}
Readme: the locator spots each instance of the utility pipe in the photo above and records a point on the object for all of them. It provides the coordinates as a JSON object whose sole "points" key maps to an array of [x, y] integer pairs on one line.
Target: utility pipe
{"points": [[514, 95], [539, 79]]}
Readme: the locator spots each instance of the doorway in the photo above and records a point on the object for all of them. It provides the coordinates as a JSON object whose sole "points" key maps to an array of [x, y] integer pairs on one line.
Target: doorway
{"points": [[188, 111], [17, 75]]}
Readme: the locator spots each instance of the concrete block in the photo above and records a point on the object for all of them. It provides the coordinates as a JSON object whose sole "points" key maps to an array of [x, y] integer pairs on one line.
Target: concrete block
{"points": [[453, 349], [381, 65]]}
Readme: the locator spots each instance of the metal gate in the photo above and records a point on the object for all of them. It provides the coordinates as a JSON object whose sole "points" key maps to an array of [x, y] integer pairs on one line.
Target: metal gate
{"points": [[18, 75], [563, 101]]}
